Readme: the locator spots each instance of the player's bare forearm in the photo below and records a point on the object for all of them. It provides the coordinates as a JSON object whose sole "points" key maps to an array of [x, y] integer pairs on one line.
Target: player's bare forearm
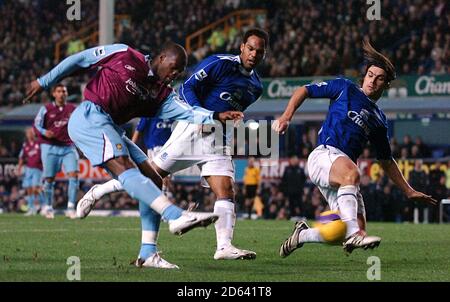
{"points": [[394, 173], [282, 123], [295, 102]]}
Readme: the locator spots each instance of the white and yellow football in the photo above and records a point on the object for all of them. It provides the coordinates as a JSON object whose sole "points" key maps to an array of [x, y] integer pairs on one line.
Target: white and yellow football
{"points": [[331, 227]]}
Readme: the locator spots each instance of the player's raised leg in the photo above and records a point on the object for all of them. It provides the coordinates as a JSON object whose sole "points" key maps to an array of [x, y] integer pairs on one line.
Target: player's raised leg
{"points": [[96, 192], [89, 128]]}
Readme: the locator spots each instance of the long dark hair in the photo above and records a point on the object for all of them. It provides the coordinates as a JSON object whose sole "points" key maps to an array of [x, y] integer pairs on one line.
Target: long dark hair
{"points": [[375, 58]]}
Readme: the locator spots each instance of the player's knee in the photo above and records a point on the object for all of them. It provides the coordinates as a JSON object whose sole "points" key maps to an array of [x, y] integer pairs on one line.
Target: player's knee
{"points": [[226, 190], [351, 177], [119, 165], [163, 174]]}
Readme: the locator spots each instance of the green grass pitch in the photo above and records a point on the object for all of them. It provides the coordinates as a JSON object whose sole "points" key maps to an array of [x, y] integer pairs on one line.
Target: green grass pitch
{"points": [[36, 249]]}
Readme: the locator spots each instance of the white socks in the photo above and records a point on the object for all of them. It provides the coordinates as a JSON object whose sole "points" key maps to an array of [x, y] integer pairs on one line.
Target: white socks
{"points": [[149, 237], [224, 208], [108, 187], [310, 235], [348, 208]]}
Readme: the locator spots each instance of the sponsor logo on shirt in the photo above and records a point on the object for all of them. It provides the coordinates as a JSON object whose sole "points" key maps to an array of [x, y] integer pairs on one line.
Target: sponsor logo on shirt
{"points": [[360, 119], [130, 68], [136, 89], [233, 99], [61, 123]]}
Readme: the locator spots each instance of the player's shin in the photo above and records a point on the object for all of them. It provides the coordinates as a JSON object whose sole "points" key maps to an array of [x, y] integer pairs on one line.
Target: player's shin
{"points": [[348, 208], [49, 188], [144, 190], [73, 190], [30, 200], [224, 208]]}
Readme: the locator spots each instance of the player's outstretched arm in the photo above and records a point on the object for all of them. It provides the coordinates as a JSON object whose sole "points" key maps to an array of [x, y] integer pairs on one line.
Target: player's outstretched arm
{"points": [[282, 123], [394, 173], [82, 60]]}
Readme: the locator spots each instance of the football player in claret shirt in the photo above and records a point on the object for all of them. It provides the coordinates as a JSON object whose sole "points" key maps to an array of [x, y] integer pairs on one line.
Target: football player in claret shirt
{"points": [[128, 84], [57, 149], [30, 159], [219, 83]]}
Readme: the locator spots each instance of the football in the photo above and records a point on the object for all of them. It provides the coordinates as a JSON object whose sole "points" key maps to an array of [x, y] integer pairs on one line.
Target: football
{"points": [[331, 227]]}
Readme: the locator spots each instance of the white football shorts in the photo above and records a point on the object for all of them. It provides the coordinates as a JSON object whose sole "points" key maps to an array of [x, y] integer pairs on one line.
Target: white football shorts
{"points": [[319, 168]]}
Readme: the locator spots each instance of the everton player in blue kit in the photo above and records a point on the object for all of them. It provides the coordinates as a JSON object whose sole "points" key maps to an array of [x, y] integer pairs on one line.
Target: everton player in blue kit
{"points": [[128, 84], [353, 119], [219, 83]]}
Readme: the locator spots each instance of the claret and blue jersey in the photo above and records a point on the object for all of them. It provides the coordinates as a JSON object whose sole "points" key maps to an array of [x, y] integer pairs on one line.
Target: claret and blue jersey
{"points": [[352, 119], [220, 83]]}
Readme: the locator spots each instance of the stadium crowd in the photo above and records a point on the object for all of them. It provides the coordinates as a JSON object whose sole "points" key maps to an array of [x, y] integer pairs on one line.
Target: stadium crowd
{"points": [[415, 33]]}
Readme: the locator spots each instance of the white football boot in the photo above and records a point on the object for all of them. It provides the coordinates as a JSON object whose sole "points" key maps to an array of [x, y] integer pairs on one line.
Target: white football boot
{"points": [[70, 213], [49, 214], [359, 241], [86, 203], [189, 220], [293, 242], [233, 253], [155, 261], [30, 212]]}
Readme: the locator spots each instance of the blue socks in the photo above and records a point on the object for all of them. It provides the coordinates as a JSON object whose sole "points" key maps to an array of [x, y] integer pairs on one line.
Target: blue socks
{"points": [[49, 188], [143, 189], [73, 190], [30, 201], [147, 249], [172, 212], [150, 221]]}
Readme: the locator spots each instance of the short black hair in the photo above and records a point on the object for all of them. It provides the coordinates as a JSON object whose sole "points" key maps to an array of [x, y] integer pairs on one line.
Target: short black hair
{"points": [[260, 33], [173, 48]]}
